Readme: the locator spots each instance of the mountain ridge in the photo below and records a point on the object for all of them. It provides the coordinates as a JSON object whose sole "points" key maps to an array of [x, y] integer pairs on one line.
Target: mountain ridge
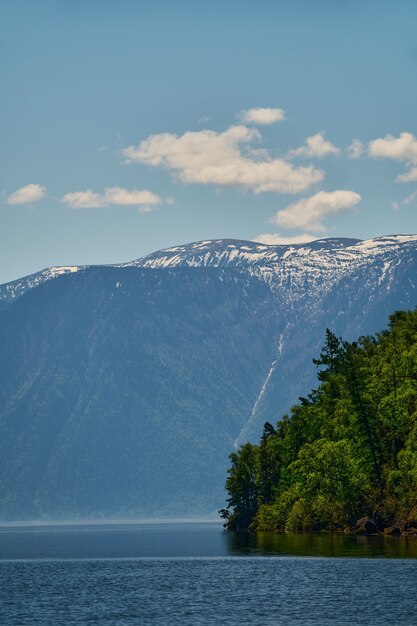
{"points": [[238, 253], [125, 387]]}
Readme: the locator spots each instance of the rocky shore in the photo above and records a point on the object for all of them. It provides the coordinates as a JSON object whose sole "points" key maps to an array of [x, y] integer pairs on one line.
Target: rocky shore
{"points": [[375, 526]]}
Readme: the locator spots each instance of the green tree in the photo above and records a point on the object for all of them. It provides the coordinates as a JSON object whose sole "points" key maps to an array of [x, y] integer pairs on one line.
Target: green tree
{"points": [[242, 487], [346, 450]]}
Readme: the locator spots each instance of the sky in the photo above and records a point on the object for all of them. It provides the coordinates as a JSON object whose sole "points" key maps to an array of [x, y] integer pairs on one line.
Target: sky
{"points": [[129, 126]]}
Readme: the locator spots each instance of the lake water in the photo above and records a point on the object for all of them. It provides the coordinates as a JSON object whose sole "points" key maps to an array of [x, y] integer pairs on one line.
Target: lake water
{"points": [[198, 574]]}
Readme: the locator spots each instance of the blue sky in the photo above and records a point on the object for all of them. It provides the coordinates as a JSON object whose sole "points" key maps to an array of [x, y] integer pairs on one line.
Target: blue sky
{"points": [[128, 126]]}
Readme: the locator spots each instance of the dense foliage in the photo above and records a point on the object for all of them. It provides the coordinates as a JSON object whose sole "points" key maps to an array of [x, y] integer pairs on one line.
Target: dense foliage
{"points": [[347, 450]]}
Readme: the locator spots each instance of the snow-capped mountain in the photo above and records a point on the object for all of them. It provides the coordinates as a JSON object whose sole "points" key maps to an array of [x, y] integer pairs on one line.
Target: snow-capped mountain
{"points": [[125, 387], [13, 290], [233, 253], [303, 269], [324, 261]]}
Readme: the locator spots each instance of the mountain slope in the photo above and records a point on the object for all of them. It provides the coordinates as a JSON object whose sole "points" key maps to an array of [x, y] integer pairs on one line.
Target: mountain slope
{"points": [[124, 388]]}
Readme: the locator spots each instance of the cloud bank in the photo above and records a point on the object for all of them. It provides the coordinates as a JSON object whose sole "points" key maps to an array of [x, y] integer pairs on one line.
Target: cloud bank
{"points": [[223, 159]]}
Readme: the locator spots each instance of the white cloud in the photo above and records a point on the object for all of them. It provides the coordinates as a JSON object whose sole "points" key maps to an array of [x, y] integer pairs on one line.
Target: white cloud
{"points": [[223, 159], [272, 239], [261, 115], [118, 195], [355, 149], [402, 148], [88, 199], [27, 195], [309, 212], [84, 200], [315, 146], [410, 176]]}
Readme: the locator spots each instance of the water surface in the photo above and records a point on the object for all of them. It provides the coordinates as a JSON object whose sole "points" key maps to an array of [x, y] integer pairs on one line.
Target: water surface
{"points": [[98, 541], [196, 574]]}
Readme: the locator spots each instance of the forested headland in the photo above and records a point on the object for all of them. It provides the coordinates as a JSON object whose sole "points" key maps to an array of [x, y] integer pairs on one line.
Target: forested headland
{"points": [[346, 456]]}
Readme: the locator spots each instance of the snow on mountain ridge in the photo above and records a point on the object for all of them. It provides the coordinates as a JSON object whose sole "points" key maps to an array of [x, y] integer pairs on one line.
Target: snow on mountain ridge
{"points": [[218, 252], [301, 269], [16, 288], [221, 252]]}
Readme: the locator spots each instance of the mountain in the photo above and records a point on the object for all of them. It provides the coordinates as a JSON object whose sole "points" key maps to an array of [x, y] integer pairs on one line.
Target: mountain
{"points": [[125, 387]]}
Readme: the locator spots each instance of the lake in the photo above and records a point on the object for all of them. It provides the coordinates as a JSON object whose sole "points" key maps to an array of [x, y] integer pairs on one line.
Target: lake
{"points": [[196, 573]]}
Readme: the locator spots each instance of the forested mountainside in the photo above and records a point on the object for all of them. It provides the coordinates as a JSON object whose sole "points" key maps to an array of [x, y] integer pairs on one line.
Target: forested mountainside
{"points": [[122, 391], [124, 388], [347, 452]]}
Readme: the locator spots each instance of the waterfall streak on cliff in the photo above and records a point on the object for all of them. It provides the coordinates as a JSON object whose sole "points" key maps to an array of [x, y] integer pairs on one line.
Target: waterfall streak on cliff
{"points": [[245, 429]]}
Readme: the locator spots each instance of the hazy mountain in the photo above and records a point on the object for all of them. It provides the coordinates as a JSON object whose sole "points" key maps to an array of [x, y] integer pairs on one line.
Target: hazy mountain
{"points": [[124, 388]]}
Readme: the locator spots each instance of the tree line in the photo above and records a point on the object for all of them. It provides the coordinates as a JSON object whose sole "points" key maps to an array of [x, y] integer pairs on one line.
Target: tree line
{"points": [[347, 450]]}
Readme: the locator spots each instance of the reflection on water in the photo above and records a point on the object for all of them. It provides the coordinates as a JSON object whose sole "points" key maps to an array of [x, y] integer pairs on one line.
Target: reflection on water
{"points": [[185, 540], [182, 575], [320, 545], [113, 541]]}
